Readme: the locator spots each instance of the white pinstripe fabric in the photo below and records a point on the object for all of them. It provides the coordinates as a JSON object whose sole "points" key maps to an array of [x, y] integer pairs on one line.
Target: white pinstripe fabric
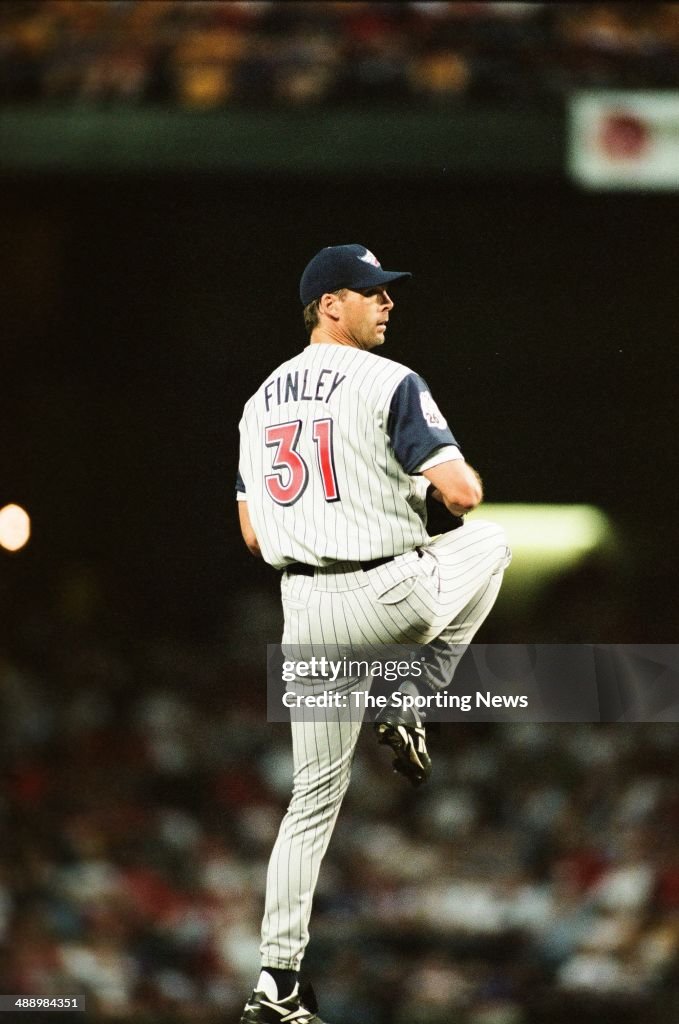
{"points": [[381, 508], [443, 596]]}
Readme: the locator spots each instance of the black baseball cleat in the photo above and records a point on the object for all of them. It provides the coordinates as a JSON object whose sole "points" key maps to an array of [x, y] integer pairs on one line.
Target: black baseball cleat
{"points": [[295, 1009], [402, 729]]}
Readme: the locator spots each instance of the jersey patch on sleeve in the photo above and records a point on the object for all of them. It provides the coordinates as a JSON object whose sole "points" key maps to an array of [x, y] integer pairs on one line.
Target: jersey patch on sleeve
{"points": [[431, 411], [416, 426]]}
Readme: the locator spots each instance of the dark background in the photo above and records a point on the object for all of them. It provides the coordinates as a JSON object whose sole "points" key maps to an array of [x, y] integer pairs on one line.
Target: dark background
{"points": [[166, 171], [140, 314]]}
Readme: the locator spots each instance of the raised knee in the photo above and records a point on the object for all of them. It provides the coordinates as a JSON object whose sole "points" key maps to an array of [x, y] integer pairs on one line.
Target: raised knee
{"points": [[496, 540]]}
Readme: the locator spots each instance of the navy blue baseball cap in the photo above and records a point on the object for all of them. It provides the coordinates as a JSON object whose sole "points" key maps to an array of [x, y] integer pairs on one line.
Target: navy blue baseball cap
{"points": [[343, 266]]}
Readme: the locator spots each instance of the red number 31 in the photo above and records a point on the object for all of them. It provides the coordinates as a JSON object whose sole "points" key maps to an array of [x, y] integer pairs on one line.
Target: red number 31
{"points": [[288, 482]]}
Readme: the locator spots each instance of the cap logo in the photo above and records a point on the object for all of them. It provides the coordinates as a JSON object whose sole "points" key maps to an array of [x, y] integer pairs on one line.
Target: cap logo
{"points": [[369, 258]]}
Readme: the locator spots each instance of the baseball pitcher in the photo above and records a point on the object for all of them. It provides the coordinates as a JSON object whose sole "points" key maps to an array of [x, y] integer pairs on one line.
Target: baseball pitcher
{"points": [[337, 449]]}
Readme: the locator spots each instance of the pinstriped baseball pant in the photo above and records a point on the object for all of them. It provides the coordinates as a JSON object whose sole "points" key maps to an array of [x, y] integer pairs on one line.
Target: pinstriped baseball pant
{"points": [[440, 597]]}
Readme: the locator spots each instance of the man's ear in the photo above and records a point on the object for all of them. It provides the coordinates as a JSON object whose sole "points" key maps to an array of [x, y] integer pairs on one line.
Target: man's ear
{"points": [[328, 304]]}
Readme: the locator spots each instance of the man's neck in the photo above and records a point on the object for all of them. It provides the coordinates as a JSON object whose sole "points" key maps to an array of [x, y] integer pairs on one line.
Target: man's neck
{"points": [[329, 336]]}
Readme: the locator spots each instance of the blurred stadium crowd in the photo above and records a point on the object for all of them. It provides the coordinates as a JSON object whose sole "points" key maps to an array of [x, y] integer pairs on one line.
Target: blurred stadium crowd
{"points": [[536, 878], [202, 55]]}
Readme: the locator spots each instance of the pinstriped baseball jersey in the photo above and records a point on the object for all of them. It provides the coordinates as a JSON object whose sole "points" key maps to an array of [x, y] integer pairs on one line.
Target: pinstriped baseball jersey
{"points": [[330, 447]]}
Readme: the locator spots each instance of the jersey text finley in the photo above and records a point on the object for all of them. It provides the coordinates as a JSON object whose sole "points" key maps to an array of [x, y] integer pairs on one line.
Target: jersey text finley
{"points": [[287, 388]]}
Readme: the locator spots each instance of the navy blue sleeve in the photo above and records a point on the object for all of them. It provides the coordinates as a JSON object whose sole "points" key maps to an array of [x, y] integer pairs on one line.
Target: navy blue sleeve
{"points": [[240, 486], [416, 426]]}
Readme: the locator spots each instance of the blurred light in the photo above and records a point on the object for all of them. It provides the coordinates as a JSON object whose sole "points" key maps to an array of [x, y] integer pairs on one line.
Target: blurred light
{"points": [[555, 532], [547, 541], [15, 527]]}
